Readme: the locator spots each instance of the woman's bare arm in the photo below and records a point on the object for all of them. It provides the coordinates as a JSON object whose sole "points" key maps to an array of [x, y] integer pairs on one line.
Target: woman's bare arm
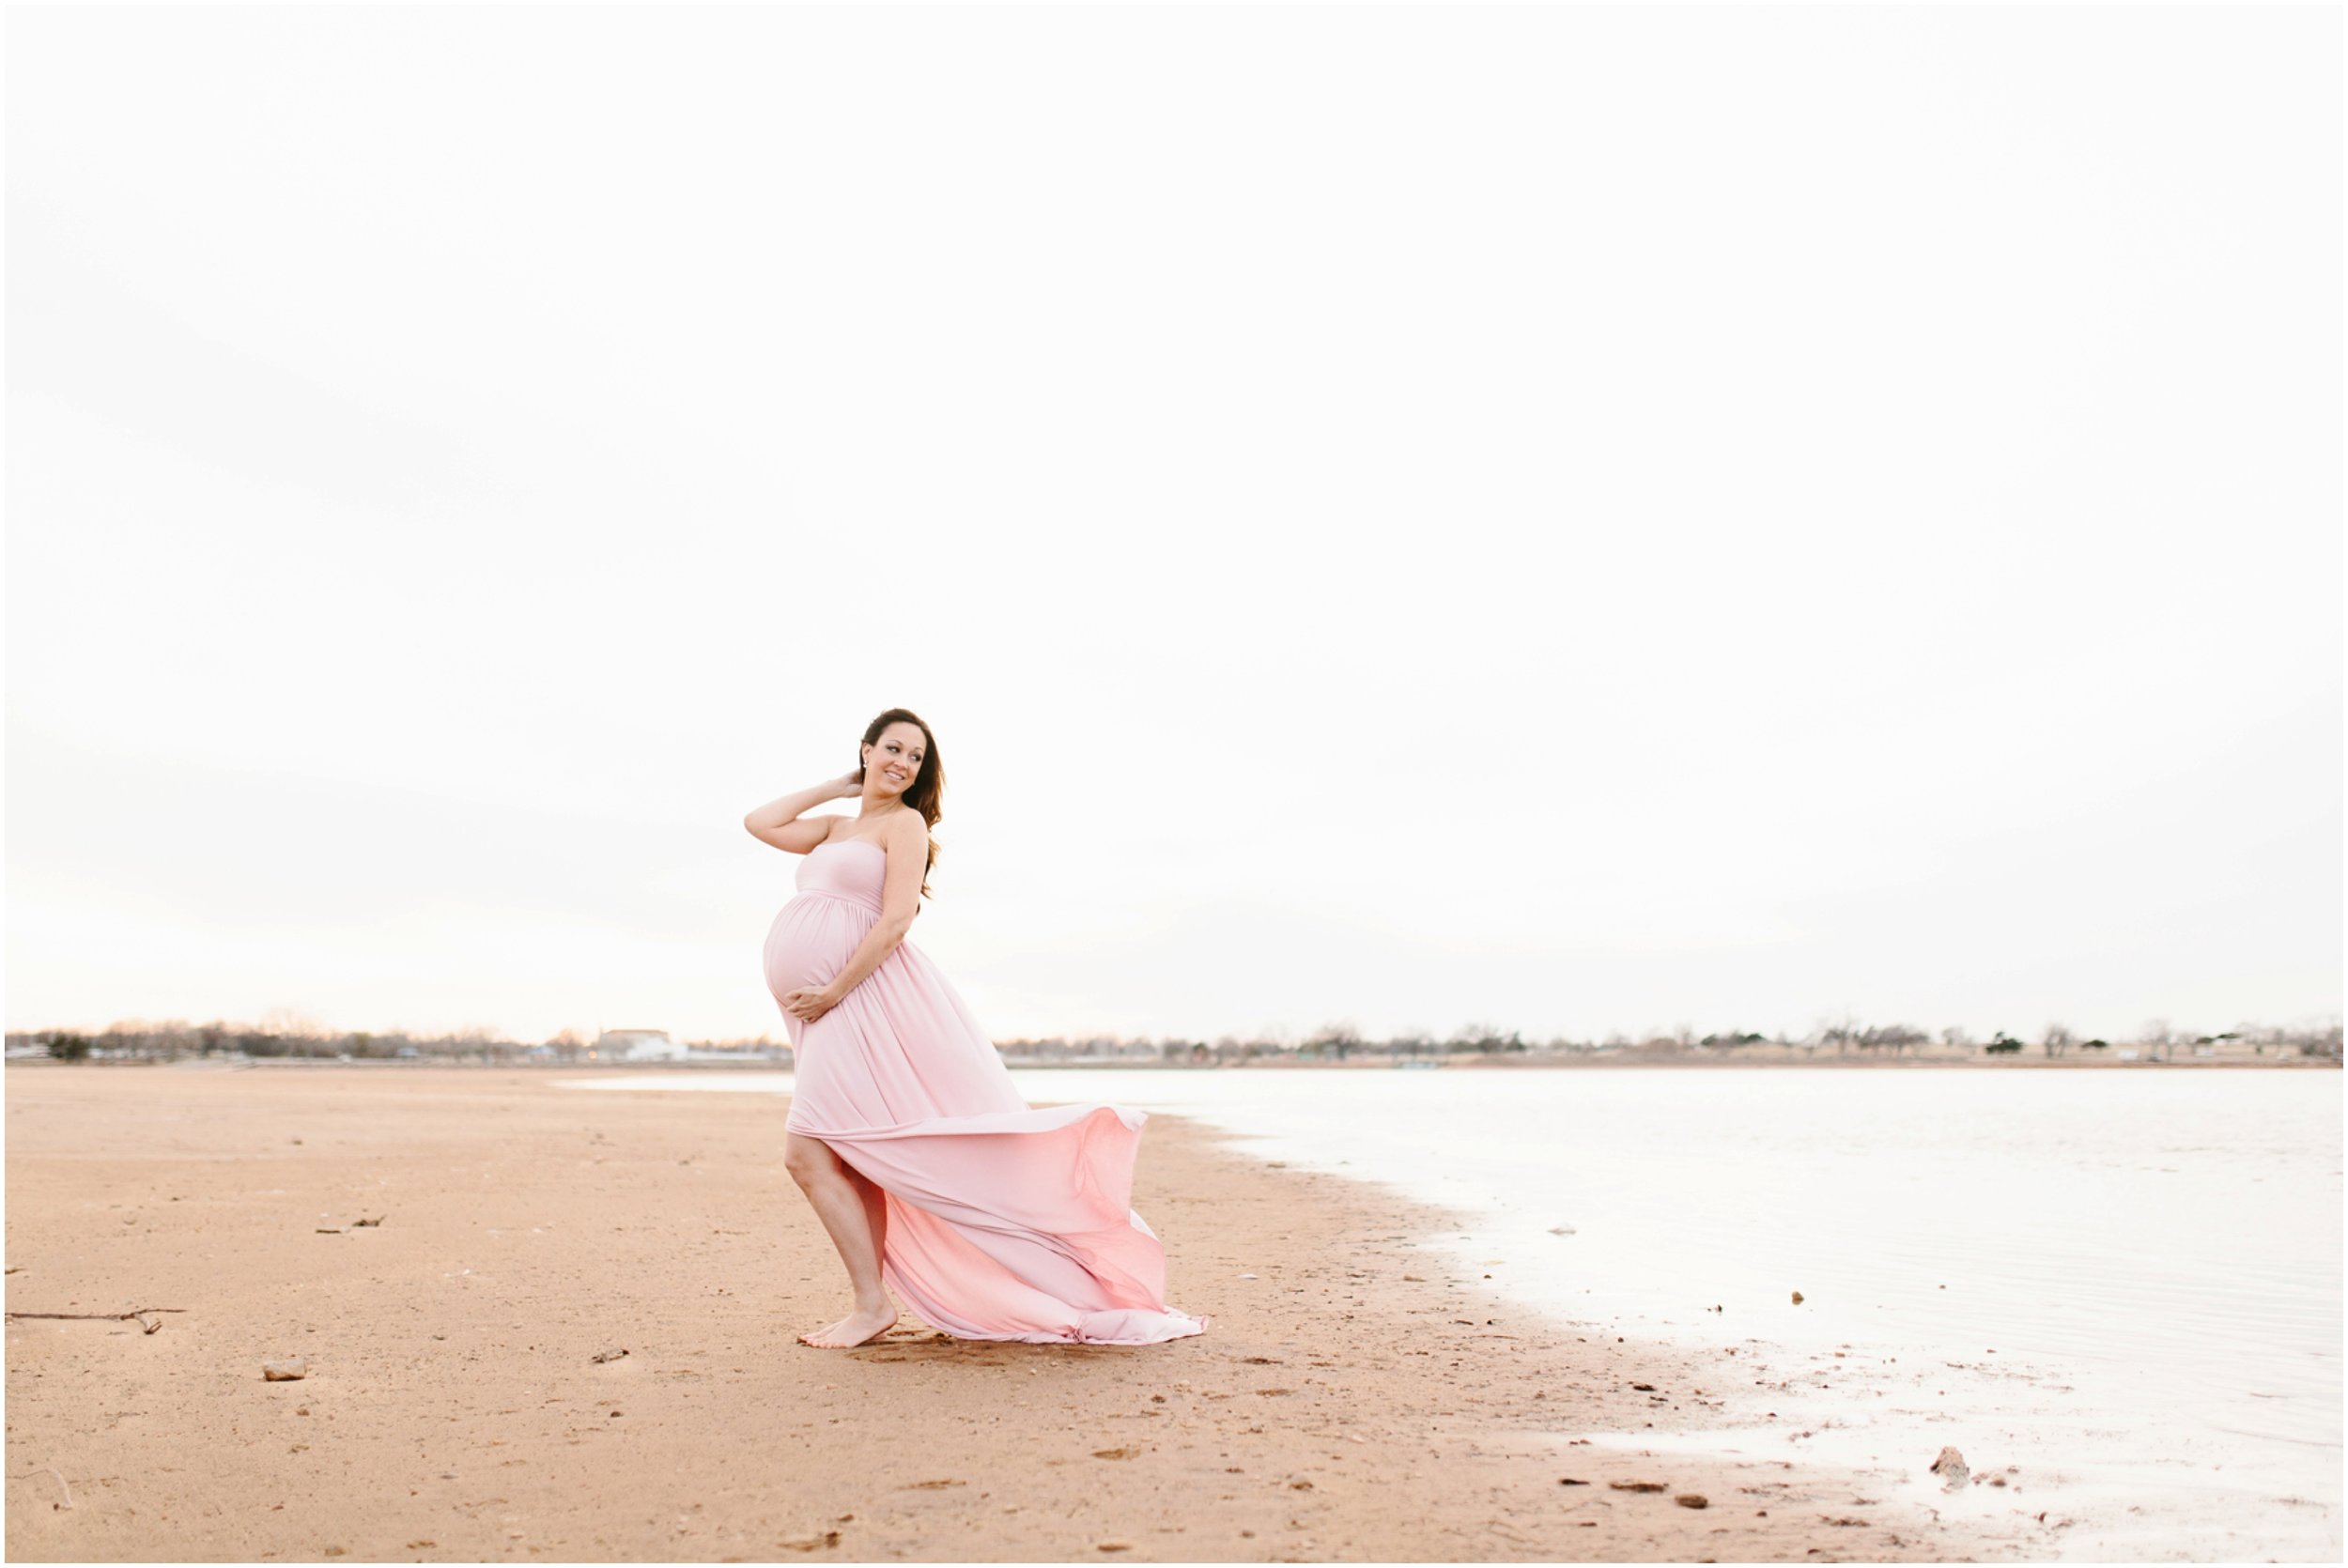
{"points": [[777, 822]]}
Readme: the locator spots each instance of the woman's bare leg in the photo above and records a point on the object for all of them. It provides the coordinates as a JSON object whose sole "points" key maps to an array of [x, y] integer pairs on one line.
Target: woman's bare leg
{"points": [[846, 1204], [875, 1210]]}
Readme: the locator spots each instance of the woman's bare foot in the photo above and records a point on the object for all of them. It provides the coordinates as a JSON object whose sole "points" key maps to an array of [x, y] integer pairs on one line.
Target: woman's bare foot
{"points": [[855, 1329]]}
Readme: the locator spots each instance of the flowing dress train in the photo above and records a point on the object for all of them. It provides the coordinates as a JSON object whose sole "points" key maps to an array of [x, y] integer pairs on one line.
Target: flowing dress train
{"points": [[1004, 1222]]}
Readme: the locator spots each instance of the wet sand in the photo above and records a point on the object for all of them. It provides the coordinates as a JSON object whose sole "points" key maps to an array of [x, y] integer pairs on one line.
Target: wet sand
{"points": [[1359, 1399]]}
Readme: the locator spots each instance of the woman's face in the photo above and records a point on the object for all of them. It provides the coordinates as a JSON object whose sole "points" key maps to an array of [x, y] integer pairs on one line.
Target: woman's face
{"points": [[892, 762]]}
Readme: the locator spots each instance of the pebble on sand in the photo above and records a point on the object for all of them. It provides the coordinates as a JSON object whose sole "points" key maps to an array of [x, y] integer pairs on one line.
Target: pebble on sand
{"points": [[285, 1372], [1952, 1469], [1692, 1499]]}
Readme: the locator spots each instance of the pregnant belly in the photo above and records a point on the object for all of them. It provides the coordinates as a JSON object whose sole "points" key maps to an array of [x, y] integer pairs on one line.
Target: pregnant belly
{"points": [[812, 941]]}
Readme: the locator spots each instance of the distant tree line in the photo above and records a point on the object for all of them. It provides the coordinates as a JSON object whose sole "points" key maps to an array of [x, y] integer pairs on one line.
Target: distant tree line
{"points": [[276, 1037], [1844, 1037], [284, 1034]]}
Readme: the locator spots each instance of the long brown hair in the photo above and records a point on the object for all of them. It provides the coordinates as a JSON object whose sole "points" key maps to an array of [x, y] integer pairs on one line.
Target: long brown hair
{"points": [[928, 789]]}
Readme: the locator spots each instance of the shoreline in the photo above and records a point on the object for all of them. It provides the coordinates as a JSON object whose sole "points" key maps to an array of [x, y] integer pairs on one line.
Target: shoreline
{"points": [[1362, 1398]]}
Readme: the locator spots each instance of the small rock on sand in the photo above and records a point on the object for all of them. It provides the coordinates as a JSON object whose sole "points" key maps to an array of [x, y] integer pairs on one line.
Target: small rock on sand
{"points": [[1638, 1485], [610, 1355], [1952, 1469], [285, 1372], [1692, 1499], [1798, 1297], [1112, 1546]]}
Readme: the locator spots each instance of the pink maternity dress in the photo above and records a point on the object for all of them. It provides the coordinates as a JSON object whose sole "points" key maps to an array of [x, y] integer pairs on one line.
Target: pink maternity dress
{"points": [[1005, 1223]]}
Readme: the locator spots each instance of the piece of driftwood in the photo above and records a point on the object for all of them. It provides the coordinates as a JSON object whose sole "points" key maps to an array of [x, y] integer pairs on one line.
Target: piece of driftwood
{"points": [[138, 1317]]}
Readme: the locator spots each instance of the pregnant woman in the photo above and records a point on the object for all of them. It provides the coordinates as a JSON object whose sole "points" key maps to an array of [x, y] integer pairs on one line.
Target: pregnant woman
{"points": [[930, 1172]]}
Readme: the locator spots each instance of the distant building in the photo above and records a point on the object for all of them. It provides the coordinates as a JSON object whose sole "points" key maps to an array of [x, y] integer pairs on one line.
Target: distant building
{"points": [[639, 1045]]}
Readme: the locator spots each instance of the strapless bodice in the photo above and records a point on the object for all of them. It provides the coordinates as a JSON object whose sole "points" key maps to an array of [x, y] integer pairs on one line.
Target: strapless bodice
{"points": [[855, 877]]}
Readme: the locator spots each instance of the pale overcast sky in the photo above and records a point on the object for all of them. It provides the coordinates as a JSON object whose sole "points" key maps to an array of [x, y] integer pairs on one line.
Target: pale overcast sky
{"points": [[1590, 521]]}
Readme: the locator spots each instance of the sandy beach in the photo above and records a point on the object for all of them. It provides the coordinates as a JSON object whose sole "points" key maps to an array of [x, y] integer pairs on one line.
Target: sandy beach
{"points": [[1357, 1398]]}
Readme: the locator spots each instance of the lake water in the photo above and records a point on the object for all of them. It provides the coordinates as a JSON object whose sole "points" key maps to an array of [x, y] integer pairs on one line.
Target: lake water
{"points": [[2124, 1283]]}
